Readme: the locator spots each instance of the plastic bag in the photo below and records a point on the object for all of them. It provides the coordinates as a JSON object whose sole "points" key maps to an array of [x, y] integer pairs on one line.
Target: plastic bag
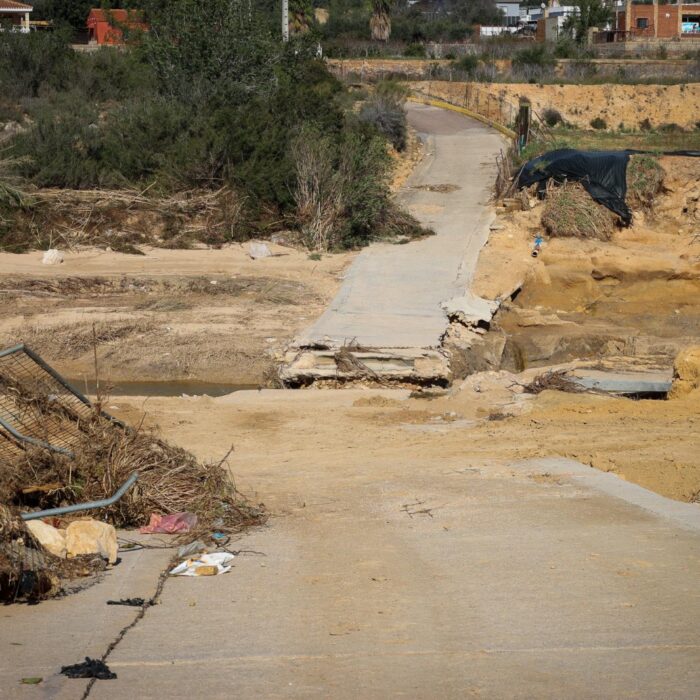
{"points": [[170, 524], [206, 565]]}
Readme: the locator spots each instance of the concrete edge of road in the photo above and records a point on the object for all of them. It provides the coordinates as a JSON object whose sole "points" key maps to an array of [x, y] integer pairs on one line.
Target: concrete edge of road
{"points": [[686, 515], [462, 110]]}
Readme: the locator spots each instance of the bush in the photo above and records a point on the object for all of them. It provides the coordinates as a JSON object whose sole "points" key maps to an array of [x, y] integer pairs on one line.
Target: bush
{"points": [[389, 118], [189, 107], [645, 124], [415, 50], [341, 189], [569, 211], [599, 123], [467, 63], [536, 55], [33, 62], [551, 117]]}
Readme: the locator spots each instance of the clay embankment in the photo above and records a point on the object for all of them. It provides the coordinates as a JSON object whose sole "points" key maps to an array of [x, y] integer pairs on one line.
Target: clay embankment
{"points": [[570, 70], [626, 105]]}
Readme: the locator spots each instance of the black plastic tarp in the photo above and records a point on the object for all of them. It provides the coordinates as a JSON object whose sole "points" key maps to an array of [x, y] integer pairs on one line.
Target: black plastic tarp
{"points": [[602, 173]]}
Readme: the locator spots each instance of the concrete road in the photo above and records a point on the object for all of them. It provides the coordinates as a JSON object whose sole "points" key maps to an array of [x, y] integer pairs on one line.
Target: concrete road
{"points": [[479, 583], [392, 295]]}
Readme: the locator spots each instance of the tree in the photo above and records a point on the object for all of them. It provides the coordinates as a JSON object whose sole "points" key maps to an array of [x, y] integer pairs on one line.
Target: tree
{"points": [[590, 13], [219, 48], [380, 21], [71, 12]]}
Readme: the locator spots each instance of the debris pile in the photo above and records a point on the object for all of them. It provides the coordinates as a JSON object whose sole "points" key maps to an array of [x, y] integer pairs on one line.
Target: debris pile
{"points": [[58, 450], [554, 380], [570, 211], [75, 454]]}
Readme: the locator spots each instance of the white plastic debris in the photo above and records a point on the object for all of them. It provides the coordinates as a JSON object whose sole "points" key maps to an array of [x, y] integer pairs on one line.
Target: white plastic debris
{"points": [[259, 250], [52, 257], [205, 565]]}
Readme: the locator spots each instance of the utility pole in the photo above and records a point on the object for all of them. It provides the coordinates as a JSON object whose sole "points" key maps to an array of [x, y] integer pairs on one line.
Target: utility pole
{"points": [[285, 20]]}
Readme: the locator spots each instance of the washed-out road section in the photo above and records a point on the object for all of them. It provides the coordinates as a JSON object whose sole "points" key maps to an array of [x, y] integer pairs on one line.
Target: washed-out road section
{"points": [[392, 295]]}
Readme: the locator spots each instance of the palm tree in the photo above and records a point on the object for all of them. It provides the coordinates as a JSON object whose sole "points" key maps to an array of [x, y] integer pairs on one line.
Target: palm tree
{"points": [[380, 21], [300, 14]]}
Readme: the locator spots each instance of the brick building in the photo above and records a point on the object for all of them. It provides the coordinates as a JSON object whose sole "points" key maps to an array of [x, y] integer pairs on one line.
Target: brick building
{"points": [[658, 21], [106, 26]]}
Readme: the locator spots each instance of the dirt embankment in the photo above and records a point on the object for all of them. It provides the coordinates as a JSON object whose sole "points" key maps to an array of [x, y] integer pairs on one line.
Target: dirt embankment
{"points": [[203, 315], [626, 105], [633, 299]]}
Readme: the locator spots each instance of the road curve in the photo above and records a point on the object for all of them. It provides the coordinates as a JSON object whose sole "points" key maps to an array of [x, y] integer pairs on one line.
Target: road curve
{"points": [[392, 295]]}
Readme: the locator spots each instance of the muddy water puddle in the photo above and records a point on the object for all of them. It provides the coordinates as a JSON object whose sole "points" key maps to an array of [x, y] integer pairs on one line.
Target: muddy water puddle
{"points": [[173, 388]]}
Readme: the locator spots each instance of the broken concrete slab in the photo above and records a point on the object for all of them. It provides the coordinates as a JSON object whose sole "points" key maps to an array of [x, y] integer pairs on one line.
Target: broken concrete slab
{"points": [[391, 364]]}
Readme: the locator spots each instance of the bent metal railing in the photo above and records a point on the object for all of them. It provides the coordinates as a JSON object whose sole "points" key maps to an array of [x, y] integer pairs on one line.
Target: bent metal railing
{"points": [[38, 407]]}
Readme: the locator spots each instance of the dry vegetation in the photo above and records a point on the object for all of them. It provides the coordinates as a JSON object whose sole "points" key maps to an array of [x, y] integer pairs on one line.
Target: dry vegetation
{"points": [[569, 211], [170, 480], [645, 178]]}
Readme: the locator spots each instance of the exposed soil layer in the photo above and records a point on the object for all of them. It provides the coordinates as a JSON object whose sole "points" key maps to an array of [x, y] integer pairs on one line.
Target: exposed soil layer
{"points": [[627, 105], [635, 298]]}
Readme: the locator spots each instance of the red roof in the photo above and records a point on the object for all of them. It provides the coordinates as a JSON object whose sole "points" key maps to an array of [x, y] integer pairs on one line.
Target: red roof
{"points": [[100, 15], [12, 5]]}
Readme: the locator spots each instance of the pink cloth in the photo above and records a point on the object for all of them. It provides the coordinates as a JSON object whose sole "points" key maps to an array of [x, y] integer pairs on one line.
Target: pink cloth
{"points": [[170, 524]]}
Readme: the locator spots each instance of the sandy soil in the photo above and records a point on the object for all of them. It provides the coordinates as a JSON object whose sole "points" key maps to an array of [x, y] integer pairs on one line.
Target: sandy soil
{"points": [[653, 443], [200, 315], [206, 315], [579, 104]]}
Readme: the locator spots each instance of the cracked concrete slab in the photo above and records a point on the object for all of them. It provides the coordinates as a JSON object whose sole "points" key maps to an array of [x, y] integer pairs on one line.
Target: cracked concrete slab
{"points": [[37, 640]]}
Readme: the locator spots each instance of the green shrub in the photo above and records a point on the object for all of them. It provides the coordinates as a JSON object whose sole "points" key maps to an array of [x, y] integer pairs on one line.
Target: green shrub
{"points": [[189, 107], [415, 50], [393, 90], [551, 117], [389, 118], [536, 55], [39, 61], [467, 63], [599, 123]]}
